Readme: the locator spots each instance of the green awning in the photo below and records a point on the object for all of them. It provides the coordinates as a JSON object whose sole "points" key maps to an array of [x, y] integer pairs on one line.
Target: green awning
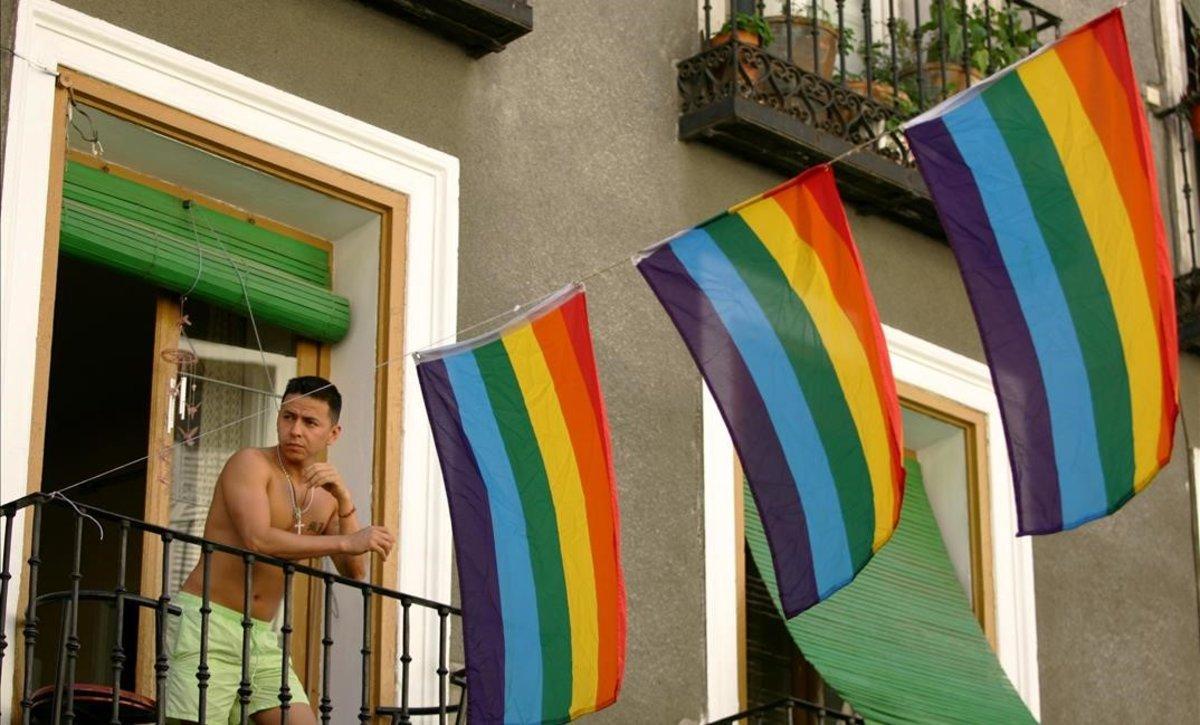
{"points": [[901, 643], [147, 233]]}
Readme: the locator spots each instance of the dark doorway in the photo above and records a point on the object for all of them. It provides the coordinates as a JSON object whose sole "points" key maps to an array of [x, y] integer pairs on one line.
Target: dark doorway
{"points": [[97, 419]]}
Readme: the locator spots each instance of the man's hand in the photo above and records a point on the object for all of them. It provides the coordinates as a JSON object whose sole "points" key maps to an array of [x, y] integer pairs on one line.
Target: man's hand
{"points": [[370, 538], [324, 475]]}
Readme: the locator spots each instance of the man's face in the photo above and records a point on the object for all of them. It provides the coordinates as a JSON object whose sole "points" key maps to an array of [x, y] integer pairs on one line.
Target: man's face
{"points": [[305, 428]]}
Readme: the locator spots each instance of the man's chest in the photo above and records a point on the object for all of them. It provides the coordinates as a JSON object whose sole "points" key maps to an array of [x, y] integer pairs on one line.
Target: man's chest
{"points": [[305, 514]]}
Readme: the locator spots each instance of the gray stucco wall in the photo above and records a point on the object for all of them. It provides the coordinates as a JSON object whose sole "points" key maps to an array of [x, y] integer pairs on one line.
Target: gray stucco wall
{"points": [[569, 160]]}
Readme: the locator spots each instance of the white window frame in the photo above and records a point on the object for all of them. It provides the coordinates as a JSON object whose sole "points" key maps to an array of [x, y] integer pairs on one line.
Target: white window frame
{"points": [[939, 371], [49, 34]]}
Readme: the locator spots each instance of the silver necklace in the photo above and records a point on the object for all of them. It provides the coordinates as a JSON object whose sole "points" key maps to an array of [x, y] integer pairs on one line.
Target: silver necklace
{"points": [[297, 512]]}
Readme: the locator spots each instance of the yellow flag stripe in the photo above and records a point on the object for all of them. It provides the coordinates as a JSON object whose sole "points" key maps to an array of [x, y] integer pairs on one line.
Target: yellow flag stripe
{"points": [[570, 509]]}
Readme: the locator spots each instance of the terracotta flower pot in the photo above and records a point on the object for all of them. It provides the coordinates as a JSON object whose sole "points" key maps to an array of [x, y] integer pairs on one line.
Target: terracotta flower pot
{"points": [[802, 43], [882, 93], [745, 37], [956, 78]]}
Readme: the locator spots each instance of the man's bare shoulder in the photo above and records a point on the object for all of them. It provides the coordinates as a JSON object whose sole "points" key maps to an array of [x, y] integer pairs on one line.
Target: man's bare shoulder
{"points": [[249, 465]]}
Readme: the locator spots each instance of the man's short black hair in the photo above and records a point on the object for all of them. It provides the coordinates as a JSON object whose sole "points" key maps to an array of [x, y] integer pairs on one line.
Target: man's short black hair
{"points": [[316, 387]]}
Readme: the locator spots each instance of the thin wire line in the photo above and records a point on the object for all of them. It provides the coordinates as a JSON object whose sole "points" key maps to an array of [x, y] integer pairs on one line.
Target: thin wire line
{"points": [[29, 61], [245, 291], [458, 333]]}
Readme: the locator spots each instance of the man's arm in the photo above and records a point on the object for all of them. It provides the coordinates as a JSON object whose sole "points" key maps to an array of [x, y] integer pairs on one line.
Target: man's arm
{"points": [[243, 483], [344, 521], [348, 565]]}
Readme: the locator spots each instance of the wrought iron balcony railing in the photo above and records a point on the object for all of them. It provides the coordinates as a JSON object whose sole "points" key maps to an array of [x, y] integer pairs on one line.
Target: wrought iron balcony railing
{"points": [[480, 26], [65, 699], [1187, 252], [789, 710], [833, 75]]}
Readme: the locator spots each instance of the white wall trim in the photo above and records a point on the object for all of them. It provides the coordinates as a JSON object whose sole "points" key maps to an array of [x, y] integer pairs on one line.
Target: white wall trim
{"points": [[940, 371], [50, 34]]}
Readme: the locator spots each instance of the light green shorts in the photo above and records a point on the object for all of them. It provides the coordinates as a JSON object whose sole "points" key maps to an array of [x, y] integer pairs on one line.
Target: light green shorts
{"points": [[224, 665]]}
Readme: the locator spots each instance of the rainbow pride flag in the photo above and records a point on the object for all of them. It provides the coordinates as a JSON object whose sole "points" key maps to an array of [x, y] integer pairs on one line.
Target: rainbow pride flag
{"points": [[1046, 187], [771, 300], [520, 428]]}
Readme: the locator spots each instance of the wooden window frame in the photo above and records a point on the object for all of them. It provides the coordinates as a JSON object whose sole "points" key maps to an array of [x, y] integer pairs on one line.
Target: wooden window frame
{"points": [[975, 434], [391, 205]]}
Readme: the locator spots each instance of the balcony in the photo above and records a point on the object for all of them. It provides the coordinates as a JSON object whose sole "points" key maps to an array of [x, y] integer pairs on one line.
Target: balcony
{"points": [[832, 76], [1182, 122], [480, 26], [791, 711], [1187, 251], [84, 645]]}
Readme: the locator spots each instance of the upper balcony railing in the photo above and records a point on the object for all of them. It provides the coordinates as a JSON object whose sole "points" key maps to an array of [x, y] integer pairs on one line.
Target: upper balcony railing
{"points": [[1183, 119], [790, 84], [480, 26], [789, 710], [113, 700]]}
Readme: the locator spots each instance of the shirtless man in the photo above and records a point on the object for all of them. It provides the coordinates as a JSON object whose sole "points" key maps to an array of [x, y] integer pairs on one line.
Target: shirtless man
{"points": [[282, 502]]}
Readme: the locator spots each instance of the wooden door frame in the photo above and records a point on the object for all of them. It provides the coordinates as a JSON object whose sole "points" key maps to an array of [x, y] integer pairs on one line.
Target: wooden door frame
{"points": [[391, 205]]}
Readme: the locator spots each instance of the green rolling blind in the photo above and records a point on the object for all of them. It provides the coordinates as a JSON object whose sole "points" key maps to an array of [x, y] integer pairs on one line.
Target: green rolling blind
{"points": [[147, 233], [901, 643]]}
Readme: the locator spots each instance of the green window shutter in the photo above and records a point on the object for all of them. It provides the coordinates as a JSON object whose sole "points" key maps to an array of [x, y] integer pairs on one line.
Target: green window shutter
{"points": [[147, 233], [901, 643]]}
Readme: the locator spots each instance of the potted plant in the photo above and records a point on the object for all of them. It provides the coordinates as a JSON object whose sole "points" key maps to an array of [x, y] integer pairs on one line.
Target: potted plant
{"points": [[885, 71], [989, 38], [804, 26], [747, 29]]}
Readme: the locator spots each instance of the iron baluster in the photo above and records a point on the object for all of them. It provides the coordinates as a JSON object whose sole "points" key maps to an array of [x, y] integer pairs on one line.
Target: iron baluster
{"points": [[5, 575], [162, 664], [73, 644], [443, 670], [118, 650], [870, 71], [987, 35], [787, 22], [1187, 192], [841, 15], [813, 29], [285, 690], [31, 621], [917, 55], [326, 651], [244, 690], [202, 673], [707, 22], [405, 657], [942, 50], [891, 26], [966, 38], [364, 709]]}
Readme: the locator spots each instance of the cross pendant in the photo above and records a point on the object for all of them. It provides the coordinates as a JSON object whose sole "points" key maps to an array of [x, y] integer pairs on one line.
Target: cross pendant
{"points": [[298, 525]]}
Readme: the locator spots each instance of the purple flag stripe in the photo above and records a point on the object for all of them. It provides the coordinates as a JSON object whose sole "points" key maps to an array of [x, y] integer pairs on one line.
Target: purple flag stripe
{"points": [[746, 417], [1011, 356], [483, 632]]}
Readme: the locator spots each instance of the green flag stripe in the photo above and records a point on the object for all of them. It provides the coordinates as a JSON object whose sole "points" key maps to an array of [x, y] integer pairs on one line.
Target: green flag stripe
{"points": [[1074, 257], [814, 371], [533, 486]]}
